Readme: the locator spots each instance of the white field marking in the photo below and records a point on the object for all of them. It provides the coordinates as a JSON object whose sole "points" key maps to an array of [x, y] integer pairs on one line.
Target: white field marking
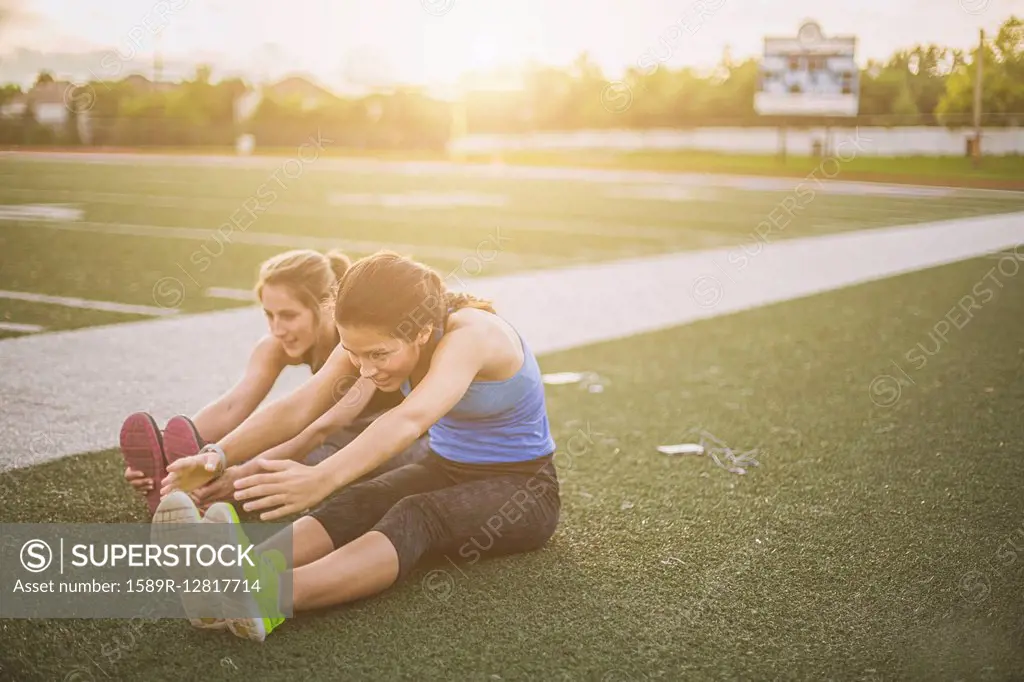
{"points": [[418, 199], [847, 187], [70, 302], [480, 170], [301, 242], [39, 212], [231, 294], [662, 193], [18, 327], [229, 205], [676, 193], [69, 177], [133, 198], [708, 192]]}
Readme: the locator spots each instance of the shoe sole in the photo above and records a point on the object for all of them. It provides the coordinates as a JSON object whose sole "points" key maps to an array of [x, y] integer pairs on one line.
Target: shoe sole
{"points": [[180, 439], [173, 511], [247, 628], [143, 450]]}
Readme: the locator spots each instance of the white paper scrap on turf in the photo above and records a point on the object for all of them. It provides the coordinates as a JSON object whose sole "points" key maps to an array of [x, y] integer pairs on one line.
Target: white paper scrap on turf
{"points": [[562, 378], [682, 449], [591, 381]]}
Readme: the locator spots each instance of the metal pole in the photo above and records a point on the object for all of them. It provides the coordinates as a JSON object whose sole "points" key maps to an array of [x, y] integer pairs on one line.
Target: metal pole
{"points": [[459, 125], [977, 99]]}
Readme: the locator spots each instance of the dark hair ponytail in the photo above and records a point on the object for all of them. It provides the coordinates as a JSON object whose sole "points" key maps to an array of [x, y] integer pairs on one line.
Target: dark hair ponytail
{"points": [[457, 300]]}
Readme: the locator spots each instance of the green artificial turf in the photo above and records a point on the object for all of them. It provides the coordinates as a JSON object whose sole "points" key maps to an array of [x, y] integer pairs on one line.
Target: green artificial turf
{"points": [[877, 540]]}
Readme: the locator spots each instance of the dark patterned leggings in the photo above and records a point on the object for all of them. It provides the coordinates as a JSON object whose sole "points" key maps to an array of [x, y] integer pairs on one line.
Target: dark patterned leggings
{"points": [[437, 506]]}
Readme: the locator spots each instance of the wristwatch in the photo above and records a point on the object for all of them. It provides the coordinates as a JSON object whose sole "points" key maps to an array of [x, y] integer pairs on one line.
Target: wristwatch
{"points": [[222, 462]]}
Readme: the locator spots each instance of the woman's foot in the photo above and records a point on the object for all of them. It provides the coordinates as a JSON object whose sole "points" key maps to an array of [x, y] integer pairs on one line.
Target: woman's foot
{"points": [[170, 521], [262, 580], [181, 438], [143, 450]]}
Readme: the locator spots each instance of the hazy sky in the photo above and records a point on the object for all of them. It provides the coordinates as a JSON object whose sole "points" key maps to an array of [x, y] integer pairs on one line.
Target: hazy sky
{"points": [[434, 40]]}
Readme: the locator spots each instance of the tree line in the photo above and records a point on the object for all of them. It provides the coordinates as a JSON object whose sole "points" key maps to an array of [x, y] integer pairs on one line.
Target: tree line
{"points": [[923, 85]]}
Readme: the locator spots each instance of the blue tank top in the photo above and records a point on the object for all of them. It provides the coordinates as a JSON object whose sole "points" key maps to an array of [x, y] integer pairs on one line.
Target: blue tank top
{"points": [[496, 421]]}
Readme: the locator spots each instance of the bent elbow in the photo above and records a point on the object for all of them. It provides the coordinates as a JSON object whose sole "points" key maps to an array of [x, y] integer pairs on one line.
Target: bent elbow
{"points": [[414, 427]]}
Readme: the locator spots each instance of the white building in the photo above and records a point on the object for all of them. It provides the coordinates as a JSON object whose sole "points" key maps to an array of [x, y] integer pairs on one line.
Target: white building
{"points": [[52, 104]]}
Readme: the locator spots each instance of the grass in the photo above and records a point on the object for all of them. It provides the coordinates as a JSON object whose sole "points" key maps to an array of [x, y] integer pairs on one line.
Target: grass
{"points": [[542, 224], [870, 544]]}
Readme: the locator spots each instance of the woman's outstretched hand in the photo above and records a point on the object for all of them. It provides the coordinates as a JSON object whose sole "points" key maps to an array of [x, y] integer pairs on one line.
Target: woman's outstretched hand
{"points": [[220, 489], [283, 483], [188, 473]]}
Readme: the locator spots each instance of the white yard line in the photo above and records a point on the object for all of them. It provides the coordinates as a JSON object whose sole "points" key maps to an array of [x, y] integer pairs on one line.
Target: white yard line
{"points": [[19, 327], [284, 241], [88, 304], [56, 212], [499, 171], [231, 294], [131, 198], [387, 215]]}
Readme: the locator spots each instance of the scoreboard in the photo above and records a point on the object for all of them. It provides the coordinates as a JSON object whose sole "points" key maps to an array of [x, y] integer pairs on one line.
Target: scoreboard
{"points": [[810, 74]]}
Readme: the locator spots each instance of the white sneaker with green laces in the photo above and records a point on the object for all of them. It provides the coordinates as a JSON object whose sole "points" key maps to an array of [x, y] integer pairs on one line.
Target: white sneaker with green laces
{"points": [[261, 581]]}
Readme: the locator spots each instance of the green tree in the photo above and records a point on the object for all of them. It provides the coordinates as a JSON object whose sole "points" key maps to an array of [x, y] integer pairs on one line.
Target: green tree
{"points": [[1002, 87], [884, 91]]}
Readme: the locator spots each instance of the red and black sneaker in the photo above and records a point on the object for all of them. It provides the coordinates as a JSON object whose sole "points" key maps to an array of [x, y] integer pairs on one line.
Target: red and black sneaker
{"points": [[181, 438], [143, 450]]}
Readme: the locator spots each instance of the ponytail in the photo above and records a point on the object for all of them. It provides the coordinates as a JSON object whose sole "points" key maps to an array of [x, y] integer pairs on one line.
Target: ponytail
{"points": [[457, 300], [340, 263]]}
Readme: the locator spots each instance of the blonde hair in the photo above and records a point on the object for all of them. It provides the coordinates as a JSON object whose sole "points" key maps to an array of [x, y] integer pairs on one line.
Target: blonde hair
{"points": [[311, 276], [395, 293]]}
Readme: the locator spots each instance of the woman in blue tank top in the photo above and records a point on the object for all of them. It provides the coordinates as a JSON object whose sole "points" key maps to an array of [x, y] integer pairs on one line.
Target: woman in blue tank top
{"points": [[487, 487]]}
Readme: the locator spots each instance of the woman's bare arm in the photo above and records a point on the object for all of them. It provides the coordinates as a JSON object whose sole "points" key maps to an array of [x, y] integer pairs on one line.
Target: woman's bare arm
{"points": [[283, 419], [457, 360], [342, 414], [224, 414]]}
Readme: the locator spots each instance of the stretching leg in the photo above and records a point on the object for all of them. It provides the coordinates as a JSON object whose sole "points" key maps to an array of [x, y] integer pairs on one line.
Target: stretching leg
{"points": [[352, 511], [489, 517]]}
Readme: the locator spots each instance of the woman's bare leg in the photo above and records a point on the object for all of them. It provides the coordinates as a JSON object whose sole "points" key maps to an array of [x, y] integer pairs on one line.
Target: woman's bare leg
{"points": [[424, 522], [364, 567]]}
